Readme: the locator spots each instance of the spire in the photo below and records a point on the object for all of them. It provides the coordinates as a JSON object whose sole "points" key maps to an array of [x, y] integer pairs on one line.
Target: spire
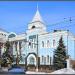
{"points": [[37, 6], [37, 16]]}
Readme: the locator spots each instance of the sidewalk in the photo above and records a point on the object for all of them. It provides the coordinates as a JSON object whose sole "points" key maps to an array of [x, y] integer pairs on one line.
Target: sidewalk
{"points": [[32, 72]]}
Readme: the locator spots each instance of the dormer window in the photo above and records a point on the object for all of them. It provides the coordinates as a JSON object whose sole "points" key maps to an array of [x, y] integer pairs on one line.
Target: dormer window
{"points": [[33, 27]]}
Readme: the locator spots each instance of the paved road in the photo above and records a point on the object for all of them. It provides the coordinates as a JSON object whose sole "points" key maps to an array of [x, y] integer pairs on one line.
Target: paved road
{"points": [[6, 73]]}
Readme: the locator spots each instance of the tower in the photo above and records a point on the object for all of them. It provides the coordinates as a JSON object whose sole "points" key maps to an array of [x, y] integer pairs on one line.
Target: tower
{"points": [[37, 24]]}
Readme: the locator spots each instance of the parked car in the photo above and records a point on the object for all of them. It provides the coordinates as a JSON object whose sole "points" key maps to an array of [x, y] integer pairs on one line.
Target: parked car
{"points": [[17, 69]]}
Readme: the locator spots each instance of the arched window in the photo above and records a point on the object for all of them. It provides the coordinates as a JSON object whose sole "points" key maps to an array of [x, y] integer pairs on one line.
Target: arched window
{"points": [[53, 43], [11, 35], [42, 43], [48, 43]]}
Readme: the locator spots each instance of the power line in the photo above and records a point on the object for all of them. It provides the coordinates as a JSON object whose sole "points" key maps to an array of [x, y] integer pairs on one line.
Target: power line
{"points": [[57, 25], [61, 22], [68, 20]]}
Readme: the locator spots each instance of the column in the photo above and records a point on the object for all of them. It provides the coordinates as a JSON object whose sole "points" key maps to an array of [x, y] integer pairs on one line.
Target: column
{"points": [[18, 47], [14, 48], [17, 53], [68, 63]]}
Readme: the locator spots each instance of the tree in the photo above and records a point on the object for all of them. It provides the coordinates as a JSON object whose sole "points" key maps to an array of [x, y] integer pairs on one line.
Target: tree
{"points": [[7, 57], [59, 58], [1, 44]]}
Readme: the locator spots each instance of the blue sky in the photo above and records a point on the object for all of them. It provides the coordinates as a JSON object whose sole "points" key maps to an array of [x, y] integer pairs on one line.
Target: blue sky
{"points": [[15, 16]]}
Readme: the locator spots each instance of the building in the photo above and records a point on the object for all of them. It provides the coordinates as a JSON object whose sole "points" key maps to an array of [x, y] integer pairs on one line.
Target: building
{"points": [[37, 42]]}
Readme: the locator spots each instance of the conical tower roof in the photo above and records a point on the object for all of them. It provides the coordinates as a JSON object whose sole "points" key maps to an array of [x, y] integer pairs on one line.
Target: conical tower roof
{"points": [[37, 22], [37, 16]]}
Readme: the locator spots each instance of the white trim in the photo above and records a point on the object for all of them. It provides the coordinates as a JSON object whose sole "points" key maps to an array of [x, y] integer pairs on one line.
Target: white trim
{"points": [[12, 33], [28, 59]]}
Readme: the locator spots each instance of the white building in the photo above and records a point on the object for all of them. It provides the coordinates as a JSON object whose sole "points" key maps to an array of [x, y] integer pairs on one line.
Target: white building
{"points": [[37, 41]]}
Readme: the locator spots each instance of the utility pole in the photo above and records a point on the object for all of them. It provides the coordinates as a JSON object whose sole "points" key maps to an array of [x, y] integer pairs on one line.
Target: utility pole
{"points": [[74, 48], [67, 41], [37, 55]]}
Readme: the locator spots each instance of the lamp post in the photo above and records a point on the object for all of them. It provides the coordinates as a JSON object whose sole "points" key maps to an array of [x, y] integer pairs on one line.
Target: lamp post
{"points": [[37, 55]]}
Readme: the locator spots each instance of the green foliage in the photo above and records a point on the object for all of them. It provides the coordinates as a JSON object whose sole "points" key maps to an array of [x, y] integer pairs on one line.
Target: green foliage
{"points": [[59, 58], [7, 58], [7, 46]]}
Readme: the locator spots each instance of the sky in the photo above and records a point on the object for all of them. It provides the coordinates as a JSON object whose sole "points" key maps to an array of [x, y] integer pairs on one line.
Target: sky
{"points": [[15, 15]]}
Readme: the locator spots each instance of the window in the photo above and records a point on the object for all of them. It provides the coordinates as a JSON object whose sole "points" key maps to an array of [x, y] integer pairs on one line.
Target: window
{"points": [[4, 35], [34, 41], [33, 27], [11, 35], [53, 43], [42, 59], [42, 43], [30, 43], [48, 58], [48, 43]]}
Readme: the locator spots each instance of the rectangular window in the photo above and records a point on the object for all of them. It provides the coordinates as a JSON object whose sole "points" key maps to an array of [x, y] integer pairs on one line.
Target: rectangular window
{"points": [[33, 36], [30, 43], [50, 60], [42, 59], [34, 41], [47, 58], [42, 43]]}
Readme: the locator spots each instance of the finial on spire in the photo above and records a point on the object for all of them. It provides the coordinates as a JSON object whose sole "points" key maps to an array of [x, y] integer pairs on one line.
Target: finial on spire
{"points": [[37, 6]]}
